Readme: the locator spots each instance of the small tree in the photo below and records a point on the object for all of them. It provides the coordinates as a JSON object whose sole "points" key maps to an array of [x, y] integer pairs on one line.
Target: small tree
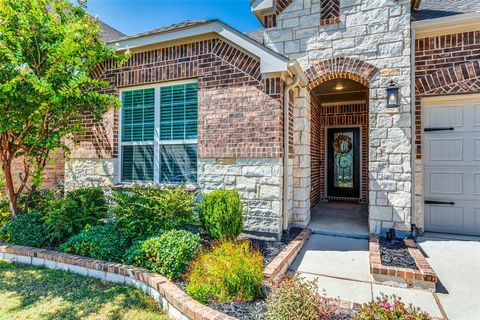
{"points": [[51, 71]]}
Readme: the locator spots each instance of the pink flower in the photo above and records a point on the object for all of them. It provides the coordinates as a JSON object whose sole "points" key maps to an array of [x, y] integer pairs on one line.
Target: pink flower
{"points": [[386, 305]]}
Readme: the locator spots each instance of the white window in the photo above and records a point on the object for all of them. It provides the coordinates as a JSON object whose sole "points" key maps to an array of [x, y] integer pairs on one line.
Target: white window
{"points": [[158, 133]]}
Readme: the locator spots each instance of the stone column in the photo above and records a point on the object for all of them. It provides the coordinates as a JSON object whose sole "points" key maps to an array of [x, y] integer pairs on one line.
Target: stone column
{"points": [[301, 159]]}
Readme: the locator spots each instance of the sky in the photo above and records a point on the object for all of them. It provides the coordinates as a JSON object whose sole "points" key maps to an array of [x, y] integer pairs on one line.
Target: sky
{"points": [[134, 16]]}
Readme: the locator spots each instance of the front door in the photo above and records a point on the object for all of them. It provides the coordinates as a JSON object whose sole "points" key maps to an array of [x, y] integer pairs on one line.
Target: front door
{"points": [[343, 172]]}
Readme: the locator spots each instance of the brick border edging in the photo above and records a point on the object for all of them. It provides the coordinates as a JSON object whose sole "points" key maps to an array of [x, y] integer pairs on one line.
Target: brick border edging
{"points": [[170, 298], [424, 275], [280, 264]]}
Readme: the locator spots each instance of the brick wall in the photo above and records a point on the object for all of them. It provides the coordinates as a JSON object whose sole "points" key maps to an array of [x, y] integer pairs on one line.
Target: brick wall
{"points": [[240, 115], [338, 115], [447, 64], [54, 172]]}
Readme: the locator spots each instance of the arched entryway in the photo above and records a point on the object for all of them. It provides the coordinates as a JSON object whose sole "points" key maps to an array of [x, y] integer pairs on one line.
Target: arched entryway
{"points": [[339, 98]]}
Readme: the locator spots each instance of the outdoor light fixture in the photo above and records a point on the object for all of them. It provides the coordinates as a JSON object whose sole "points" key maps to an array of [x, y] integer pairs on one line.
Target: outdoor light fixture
{"points": [[393, 96], [338, 87]]}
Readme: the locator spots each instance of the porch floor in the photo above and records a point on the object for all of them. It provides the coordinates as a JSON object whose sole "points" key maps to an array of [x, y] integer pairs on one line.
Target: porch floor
{"points": [[340, 219]]}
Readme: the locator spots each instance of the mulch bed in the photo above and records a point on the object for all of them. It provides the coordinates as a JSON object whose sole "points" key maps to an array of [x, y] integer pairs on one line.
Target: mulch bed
{"points": [[396, 255]]}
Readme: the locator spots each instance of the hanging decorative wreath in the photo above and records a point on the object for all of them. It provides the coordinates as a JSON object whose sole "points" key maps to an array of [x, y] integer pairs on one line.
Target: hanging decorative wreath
{"points": [[342, 144]]}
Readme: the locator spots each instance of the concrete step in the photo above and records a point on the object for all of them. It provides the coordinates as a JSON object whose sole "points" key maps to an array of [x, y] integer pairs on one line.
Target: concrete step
{"points": [[338, 233]]}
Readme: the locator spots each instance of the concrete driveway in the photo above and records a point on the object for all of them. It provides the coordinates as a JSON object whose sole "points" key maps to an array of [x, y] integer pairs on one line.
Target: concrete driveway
{"points": [[457, 264], [341, 266]]}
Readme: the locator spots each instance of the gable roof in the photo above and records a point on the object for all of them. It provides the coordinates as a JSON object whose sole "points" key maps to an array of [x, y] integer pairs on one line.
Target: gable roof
{"points": [[270, 61], [432, 9], [108, 33]]}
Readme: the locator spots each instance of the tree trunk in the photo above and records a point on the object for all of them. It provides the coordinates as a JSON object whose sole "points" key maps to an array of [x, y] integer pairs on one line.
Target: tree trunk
{"points": [[12, 195]]}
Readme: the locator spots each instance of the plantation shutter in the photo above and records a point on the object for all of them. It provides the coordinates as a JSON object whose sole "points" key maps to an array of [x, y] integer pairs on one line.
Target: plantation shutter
{"points": [[137, 163], [159, 124], [178, 112], [178, 122], [138, 115], [138, 125]]}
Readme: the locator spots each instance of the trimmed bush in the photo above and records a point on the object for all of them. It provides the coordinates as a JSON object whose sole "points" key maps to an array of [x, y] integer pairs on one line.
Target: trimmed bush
{"points": [[169, 254], [81, 207], [104, 242], [390, 307], [232, 271], [26, 230], [297, 299], [220, 214], [143, 212]]}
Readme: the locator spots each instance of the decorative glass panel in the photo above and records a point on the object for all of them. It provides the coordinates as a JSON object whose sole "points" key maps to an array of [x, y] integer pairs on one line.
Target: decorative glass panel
{"points": [[178, 163], [178, 112], [343, 167], [138, 115], [137, 163]]}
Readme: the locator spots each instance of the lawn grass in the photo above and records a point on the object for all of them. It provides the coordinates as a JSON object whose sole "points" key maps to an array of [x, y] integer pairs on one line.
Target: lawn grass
{"points": [[28, 292]]}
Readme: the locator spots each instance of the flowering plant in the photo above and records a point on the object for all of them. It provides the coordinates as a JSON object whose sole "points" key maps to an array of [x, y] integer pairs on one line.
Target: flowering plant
{"points": [[390, 308]]}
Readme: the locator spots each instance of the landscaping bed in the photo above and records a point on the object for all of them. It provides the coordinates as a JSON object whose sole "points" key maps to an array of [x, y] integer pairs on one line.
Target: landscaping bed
{"points": [[401, 265], [395, 253]]}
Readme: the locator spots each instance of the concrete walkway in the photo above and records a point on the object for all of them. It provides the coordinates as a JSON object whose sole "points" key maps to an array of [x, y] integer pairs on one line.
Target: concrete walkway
{"points": [[341, 266]]}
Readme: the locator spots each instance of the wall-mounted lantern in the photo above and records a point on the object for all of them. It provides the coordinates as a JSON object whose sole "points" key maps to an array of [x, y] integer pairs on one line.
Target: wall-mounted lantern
{"points": [[393, 95]]}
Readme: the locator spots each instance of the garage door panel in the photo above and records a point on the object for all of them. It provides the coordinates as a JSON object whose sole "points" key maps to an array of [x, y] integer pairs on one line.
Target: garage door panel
{"points": [[476, 111], [451, 166], [457, 183], [445, 149], [446, 116], [462, 218]]}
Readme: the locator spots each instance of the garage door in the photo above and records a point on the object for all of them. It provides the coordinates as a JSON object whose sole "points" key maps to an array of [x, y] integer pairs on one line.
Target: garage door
{"points": [[451, 155]]}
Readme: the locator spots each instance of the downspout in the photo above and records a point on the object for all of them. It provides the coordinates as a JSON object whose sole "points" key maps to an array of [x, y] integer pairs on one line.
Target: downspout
{"points": [[286, 133], [414, 228]]}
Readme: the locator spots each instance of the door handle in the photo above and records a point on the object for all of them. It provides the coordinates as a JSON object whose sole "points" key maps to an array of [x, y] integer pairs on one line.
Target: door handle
{"points": [[439, 202], [438, 129]]}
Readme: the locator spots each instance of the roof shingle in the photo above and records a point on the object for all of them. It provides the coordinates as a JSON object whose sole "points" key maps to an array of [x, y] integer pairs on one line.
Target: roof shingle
{"points": [[431, 9]]}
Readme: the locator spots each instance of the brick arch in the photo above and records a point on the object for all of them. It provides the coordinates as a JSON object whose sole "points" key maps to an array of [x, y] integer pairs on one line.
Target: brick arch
{"points": [[340, 68], [462, 78]]}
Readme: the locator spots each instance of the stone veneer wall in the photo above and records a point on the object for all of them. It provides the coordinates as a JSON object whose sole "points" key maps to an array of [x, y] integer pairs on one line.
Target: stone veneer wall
{"points": [[240, 126], [444, 65], [378, 33]]}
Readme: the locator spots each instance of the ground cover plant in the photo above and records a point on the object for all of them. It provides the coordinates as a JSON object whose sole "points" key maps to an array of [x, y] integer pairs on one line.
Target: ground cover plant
{"points": [[231, 271], [28, 292]]}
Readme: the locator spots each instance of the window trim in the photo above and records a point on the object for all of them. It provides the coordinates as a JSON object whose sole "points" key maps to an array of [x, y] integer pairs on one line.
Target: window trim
{"points": [[156, 136]]}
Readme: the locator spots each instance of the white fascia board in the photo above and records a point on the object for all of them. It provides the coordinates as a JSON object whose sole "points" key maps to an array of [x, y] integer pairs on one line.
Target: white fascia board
{"points": [[261, 8], [270, 61], [445, 24]]}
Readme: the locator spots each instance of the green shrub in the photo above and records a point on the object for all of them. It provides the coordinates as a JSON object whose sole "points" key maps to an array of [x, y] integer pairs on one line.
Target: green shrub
{"points": [[5, 214], [220, 213], [390, 308], [297, 299], [169, 254], [232, 271], [26, 230], [143, 212], [68, 216], [104, 242]]}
